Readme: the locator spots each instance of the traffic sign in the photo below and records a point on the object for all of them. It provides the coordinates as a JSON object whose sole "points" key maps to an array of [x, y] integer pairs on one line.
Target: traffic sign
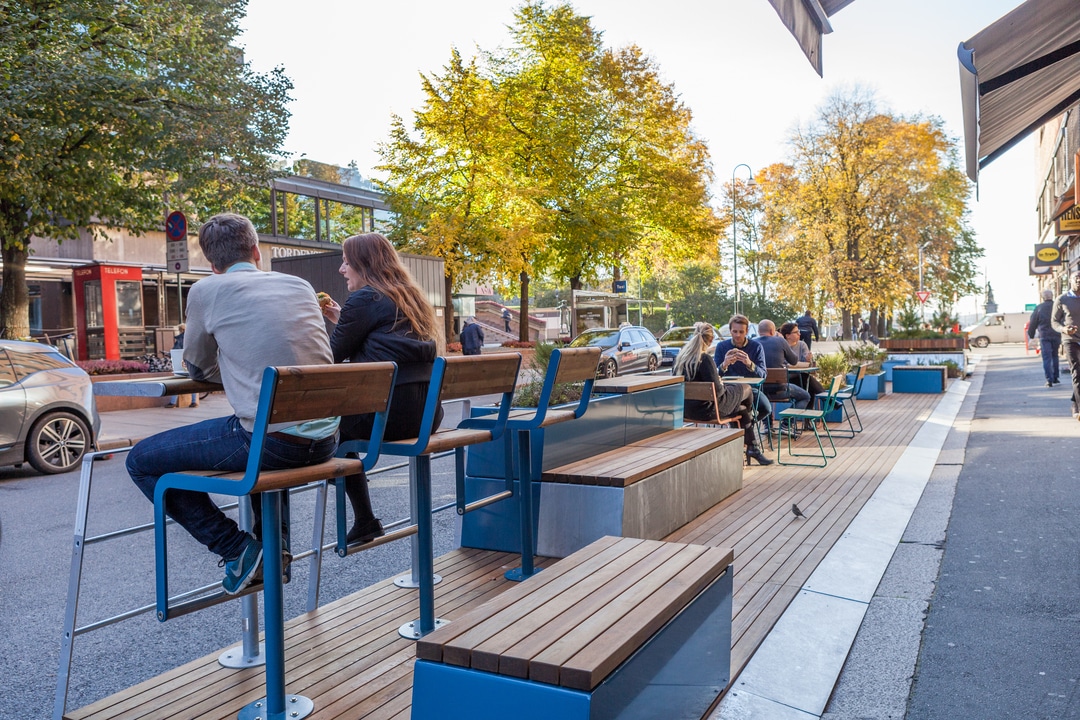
{"points": [[176, 246], [923, 295]]}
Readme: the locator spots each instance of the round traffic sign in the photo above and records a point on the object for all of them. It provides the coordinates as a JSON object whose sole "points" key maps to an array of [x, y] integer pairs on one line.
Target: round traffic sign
{"points": [[176, 226]]}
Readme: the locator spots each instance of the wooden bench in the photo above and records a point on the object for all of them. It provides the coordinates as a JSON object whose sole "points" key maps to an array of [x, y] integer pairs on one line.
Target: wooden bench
{"points": [[622, 625], [646, 489], [919, 378]]}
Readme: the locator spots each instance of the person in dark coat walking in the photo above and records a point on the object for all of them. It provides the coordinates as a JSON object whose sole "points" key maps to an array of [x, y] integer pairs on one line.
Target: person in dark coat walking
{"points": [[1049, 341], [472, 338], [1065, 318], [506, 319], [807, 327]]}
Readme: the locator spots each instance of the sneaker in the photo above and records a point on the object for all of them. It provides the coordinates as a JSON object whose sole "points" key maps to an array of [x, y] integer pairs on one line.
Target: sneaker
{"points": [[1049, 383], [243, 570], [365, 532]]}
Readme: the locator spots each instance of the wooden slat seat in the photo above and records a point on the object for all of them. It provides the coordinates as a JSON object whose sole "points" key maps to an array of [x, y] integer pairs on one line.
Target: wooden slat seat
{"points": [[581, 619], [630, 464]]}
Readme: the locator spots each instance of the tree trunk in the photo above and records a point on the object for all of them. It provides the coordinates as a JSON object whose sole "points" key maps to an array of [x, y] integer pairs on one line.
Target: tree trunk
{"points": [[448, 309], [14, 297], [845, 324], [523, 310]]}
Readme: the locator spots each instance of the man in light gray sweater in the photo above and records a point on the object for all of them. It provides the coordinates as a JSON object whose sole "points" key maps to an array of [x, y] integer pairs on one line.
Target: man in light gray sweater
{"points": [[1065, 318], [240, 320]]}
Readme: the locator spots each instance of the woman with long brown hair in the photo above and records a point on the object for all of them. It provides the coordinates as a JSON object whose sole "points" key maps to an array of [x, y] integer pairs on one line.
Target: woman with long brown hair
{"points": [[387, 317]]}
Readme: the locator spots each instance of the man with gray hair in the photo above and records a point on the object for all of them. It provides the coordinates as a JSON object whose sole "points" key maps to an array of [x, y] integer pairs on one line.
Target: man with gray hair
{"points": [[1049, 339], [240, 320]]}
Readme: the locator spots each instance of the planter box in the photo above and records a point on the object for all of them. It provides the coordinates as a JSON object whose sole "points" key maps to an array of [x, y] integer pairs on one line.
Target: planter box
{"points": [[887, 368], [837, 414], [873, 386], [924, 344], [919, 379], [612, 421], [109, 403]]}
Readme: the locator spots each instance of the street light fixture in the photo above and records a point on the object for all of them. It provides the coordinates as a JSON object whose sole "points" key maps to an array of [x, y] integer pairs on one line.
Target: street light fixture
{"points": [[734, 233]]}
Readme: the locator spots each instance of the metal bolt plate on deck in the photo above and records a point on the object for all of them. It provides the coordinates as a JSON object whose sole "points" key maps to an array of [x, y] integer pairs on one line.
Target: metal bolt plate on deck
{"points": [[411, 630], [296, 707], [406, 581], [234, 658]]}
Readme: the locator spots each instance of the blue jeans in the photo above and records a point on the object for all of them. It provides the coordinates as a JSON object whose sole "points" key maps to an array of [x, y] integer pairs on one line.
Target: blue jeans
{"points": [[218, 444], [1049, 351], [800, 397]]}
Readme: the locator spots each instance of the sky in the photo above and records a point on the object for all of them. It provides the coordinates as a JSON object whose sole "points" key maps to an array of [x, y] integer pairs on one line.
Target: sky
{"points": [[732, 62]]}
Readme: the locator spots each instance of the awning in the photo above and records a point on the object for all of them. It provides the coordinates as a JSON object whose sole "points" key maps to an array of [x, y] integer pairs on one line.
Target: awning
{"points": [[808, 20], [1016, 75]]}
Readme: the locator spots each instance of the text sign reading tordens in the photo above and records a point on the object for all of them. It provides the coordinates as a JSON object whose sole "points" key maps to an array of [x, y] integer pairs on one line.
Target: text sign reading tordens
{"points": [[176, 248]]}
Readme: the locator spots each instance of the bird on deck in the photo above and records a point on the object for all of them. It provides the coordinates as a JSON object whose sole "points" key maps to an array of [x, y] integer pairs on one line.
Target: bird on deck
{"points": [[795, 509]]}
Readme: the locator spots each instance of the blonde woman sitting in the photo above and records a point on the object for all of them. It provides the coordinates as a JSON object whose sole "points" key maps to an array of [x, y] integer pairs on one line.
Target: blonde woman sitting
{"points": [[695, 364]]}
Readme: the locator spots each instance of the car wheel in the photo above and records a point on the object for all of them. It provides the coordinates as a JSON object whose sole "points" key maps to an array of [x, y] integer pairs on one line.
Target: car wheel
{"points": [[57, 443], [981, 341], [652, 363], [610, 369]]}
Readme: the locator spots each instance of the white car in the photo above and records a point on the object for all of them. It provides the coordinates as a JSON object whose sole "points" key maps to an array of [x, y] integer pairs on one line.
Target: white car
{"points": [[47, 412]]}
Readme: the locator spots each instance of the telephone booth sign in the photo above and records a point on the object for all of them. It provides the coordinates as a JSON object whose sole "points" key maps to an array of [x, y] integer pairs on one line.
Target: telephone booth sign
{"points": [[109, 312]]}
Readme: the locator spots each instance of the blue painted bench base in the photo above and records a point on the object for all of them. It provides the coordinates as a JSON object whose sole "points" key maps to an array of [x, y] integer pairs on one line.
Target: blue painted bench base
{"points": [[677, 673], [919, 378]]}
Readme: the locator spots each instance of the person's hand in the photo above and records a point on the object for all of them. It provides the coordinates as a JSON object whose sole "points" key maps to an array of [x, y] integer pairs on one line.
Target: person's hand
{"points": [[332, 311], [1071, 329]]}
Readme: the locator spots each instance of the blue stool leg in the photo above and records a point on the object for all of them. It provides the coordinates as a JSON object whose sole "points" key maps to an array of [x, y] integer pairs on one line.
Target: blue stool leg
{"points": [[426, 560], [525, 504], [276, 703]]}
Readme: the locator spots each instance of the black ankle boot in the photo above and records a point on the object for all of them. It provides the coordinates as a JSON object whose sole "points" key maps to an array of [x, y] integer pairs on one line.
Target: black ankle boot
{"points": [[365, 532], [754, 453]]}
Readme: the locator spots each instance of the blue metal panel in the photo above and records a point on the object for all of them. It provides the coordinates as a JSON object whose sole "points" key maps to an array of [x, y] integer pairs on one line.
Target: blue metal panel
{"points": [[914, 379], [888, 366], [448, 692], [680, 670], [871, 387], [496, 526]]}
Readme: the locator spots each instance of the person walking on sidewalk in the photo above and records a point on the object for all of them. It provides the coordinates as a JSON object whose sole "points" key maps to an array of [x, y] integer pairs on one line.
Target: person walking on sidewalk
{"points": [[472, 338], [807, 327], [1065, 318], [1049, 341], [239, 321], [506, 319]]}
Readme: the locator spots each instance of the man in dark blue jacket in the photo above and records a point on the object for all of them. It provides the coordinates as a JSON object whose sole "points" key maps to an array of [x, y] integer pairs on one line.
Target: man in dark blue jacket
{"points": [[1049, 339], [742, 356], [472, 338], [807, 326]]}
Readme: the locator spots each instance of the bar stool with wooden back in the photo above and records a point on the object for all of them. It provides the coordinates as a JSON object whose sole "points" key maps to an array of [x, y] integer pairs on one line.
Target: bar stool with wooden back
{"points": [[566, 365], [288, 395], [452, 378]]}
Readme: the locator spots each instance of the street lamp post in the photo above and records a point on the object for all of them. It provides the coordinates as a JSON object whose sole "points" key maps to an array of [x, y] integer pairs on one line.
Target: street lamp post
{"points": [[921, 301], [735, 235]]}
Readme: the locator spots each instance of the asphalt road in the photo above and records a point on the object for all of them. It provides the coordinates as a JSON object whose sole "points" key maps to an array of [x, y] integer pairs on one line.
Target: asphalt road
{"points": [[1001, 636], [36, 520]]}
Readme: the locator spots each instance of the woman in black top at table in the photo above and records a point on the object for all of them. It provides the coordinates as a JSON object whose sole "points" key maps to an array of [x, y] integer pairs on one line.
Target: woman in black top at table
{"points": [[695, 364], [387, 317], [790, 332]]}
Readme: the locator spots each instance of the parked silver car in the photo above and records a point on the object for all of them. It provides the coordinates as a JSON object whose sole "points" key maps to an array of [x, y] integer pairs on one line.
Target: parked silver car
{"points": [[47, 412], [626, 349]]}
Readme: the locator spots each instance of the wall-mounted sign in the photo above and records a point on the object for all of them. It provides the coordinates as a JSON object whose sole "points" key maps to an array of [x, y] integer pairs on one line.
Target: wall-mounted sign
{"points": [[618, 286], [1068, 222], [1034, 269], [1047, 255]]}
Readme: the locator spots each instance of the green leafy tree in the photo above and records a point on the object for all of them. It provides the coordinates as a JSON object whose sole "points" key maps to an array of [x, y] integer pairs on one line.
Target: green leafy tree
{"points": [[115, 112]]}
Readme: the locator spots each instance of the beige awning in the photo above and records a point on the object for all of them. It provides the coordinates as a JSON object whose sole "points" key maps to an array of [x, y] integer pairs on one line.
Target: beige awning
{"points": [[1016, 75], [808, 20]]}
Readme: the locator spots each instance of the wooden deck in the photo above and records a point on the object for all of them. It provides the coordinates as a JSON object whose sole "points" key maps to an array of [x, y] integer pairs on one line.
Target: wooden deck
{"points": [[348, 658]]}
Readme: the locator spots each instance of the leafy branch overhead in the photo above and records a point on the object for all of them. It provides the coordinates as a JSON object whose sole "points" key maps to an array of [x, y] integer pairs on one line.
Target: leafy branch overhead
{"points": [[113, 112]]}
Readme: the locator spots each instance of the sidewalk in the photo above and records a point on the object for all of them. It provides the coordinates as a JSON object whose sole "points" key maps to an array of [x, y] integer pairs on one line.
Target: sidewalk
{"points": [[136, 424]]}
